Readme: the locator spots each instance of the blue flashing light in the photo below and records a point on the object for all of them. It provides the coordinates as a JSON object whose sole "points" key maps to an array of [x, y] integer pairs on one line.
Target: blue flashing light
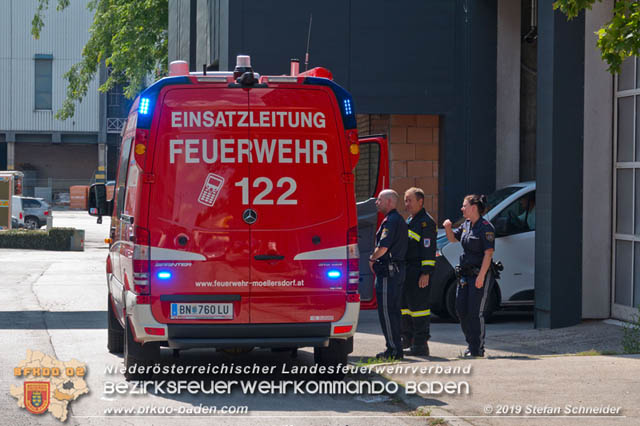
{"points": [[347, 107], [144, 106], [334, 273], [164, 275], [344, 99]]}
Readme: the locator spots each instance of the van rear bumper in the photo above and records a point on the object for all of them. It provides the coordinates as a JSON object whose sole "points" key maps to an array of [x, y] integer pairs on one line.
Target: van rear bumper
{"points": [[183, 336]]}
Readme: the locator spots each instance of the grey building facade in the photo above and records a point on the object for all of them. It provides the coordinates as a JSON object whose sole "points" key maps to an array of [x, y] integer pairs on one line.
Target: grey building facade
{"points": [[54, 154]]}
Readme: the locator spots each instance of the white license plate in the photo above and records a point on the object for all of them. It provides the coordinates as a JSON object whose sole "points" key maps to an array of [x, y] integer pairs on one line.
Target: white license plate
{"points": [[201, 311]]}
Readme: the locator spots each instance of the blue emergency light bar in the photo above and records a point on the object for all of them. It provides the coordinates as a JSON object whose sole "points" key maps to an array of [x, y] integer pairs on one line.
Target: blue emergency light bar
{"points": [[143, 108], [345, 101]]}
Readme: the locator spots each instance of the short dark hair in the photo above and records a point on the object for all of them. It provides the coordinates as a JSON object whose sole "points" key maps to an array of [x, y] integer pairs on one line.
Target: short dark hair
{"points": [[418, 192]]}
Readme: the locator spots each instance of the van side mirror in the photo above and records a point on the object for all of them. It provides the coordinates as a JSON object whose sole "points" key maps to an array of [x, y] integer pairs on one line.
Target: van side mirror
{"points": [[97, 204]]}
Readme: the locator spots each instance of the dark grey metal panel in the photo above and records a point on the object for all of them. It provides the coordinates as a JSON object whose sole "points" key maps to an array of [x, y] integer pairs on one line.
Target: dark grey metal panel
{"points": [[402, 57], [559, 142]]}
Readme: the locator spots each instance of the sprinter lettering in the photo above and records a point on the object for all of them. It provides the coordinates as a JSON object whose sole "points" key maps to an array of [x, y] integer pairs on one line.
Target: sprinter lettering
{"points": [[276, 119], [282, 151]]}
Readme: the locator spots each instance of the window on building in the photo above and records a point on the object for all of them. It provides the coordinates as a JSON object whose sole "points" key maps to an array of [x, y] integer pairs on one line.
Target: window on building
{"points": [[43, 82], [626, 263]]}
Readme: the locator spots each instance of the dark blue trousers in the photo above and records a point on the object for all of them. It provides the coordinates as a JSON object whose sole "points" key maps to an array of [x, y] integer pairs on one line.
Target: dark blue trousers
{"points": [[389, 295], [471, 306]]}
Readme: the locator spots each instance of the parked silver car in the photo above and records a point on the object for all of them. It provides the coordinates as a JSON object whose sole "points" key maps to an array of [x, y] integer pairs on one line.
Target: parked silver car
{"points": [[36, 211]]}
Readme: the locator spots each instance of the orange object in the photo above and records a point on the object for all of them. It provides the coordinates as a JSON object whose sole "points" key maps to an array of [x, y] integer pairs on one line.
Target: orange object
{"points": [[78, 196]]}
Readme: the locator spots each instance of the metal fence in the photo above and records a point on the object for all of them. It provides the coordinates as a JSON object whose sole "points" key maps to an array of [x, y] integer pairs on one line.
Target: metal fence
{"points": [[55, 191]]}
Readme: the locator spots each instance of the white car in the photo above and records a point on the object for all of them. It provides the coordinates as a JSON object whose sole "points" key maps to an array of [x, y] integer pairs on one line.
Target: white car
{"points": [[17, 210], [512, 213]]}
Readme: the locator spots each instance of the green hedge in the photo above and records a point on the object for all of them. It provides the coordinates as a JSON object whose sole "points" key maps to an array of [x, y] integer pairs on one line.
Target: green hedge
{"points": [[56, 239]]}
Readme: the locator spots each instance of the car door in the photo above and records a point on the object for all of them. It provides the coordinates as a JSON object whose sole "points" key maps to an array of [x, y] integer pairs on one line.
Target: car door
{"points": [[371, 177], [515, 248]]}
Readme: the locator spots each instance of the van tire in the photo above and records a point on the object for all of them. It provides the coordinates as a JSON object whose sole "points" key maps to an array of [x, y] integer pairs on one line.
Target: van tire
{"points": [[450, 300], [115, 332], [32, 222], [334, 354], [136, 354]]}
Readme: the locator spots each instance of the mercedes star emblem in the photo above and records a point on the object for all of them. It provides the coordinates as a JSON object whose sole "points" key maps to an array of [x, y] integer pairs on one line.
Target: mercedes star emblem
{"points": [[250, 216]]}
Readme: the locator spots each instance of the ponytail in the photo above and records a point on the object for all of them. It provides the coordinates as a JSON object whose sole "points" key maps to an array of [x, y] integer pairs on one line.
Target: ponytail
{"points": [[480, 201]]}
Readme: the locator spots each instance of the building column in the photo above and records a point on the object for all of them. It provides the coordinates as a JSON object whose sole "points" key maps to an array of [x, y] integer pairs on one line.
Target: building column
{"points": [[508, 94], [11, 151], [101, 175], [559, 153], [598, 171]]}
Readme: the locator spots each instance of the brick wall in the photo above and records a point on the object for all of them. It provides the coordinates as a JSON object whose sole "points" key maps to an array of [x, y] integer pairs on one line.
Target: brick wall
{"points": [[414, 152], [414, 156]]}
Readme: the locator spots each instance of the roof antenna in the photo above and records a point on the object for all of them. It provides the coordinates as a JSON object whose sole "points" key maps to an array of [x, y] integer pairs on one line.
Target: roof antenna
{"points": [[306, 56]]}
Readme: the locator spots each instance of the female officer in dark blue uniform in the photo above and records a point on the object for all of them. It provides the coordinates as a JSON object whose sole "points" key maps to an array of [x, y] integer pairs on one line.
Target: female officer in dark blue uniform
{"points": [[476, 280]]}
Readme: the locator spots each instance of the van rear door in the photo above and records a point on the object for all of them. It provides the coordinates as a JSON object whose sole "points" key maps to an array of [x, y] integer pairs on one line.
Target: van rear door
{"points": [[297, 191], [371, 177], [198, 235]]}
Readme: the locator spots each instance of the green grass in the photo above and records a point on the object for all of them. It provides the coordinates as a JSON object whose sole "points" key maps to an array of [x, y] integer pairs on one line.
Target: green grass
{"points": [[374, 361], [631, 335], [594, 352], [422, 412]]}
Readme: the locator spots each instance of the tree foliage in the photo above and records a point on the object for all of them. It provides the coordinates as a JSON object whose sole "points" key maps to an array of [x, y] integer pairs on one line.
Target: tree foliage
{"points": [[620, 37], [130, 36]]}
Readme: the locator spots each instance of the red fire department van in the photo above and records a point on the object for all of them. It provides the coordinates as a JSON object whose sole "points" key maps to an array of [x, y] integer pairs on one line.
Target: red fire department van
{"points": [[234, 220]]}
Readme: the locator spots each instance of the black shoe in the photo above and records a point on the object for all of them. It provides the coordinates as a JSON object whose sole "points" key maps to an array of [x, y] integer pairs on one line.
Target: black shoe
{"points": [[471, 354], [422, 350], [406, 342]]}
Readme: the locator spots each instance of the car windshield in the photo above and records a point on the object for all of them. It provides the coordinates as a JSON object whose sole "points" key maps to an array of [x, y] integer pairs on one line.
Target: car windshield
{"points": [[494, 199]]}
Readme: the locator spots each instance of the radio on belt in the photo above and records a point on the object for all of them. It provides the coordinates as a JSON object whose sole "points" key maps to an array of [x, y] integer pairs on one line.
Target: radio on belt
{"points": [[234, 220]]}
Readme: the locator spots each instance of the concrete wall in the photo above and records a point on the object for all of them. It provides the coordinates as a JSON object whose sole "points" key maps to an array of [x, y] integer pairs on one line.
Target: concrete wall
{"points": [[508, 94], [598, 173]]}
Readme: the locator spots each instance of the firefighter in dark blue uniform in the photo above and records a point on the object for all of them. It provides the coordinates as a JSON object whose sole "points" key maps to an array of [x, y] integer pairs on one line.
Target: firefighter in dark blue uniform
{"points": [[475, 273], [421, 261], [388, 263]]}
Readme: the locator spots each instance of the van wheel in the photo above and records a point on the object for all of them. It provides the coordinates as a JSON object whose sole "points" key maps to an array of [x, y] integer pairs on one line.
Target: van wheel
{"points": [[137, 355], [450, 300], [31, 222], [115, 332], [334, 354]]}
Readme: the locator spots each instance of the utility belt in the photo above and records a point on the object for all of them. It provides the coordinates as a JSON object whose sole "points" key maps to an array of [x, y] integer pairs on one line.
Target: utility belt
{"points": [[386, 268], [467, 270]]}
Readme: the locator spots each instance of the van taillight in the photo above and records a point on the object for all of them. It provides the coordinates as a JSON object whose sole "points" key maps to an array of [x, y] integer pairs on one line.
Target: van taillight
{"points": [[354, 148], [141, 145], [141, 263], [20, 215], [353, 260]]}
